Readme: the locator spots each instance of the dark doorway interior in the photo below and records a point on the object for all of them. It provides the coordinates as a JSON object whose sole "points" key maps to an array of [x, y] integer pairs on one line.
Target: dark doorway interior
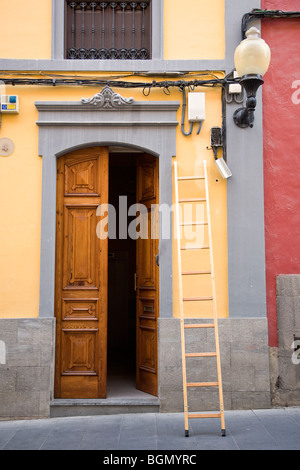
{"points": [[121, 365]]}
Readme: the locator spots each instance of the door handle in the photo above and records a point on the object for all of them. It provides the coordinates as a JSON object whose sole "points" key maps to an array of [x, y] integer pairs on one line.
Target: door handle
{"points": [[135, 277], [157, 259]]}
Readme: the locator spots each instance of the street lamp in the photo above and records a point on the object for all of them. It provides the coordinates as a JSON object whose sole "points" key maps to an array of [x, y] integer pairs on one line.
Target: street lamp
{"points": [[251, 59]]}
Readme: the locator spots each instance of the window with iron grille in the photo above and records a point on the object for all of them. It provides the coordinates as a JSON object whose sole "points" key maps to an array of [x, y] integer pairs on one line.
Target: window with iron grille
{"points": [[108, 30]]}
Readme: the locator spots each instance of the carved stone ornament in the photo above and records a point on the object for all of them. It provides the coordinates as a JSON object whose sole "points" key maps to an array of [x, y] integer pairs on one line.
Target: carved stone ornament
{"points": [[107, 99]]}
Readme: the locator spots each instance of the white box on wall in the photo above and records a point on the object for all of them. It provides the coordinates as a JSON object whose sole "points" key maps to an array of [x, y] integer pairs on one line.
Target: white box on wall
{"points": [[196, 107]]}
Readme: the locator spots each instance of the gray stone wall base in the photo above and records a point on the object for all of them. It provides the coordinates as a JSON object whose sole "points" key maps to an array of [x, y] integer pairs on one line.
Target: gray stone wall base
{"points": [[245, 365], [26, 367], [284, 372]]}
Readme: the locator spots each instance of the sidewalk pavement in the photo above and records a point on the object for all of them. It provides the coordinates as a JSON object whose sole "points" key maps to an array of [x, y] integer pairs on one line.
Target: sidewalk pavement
{"points": [[266, 429]]}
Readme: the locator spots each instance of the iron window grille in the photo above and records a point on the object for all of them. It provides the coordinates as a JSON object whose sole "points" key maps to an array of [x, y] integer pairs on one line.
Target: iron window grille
{"points": [[108, 30]]}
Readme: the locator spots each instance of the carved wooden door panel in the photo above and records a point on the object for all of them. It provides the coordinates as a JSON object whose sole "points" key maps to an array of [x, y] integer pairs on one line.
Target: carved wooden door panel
{"points": [[81, 275], [147, 277]]}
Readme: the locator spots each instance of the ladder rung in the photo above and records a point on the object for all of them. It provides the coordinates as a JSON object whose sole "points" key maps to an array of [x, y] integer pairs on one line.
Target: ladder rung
{"points": [[200, 325], [203, 247], [196, 299], [202, 384], [204, 354], [204, 415], [196, 199], [191, 273], [194, 223], [182, 178]]}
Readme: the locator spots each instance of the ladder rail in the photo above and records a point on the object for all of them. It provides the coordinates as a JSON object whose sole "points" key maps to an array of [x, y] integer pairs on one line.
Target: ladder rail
{"points": [[186, 422], [215, 310]]}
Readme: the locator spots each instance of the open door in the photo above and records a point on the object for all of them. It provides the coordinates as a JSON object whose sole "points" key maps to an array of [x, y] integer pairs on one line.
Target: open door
{"points": [[147, 280], [81, 275]]}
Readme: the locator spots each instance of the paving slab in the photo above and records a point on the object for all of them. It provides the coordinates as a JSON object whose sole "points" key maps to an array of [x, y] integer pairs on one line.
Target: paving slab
{"points": [[115, 435]]}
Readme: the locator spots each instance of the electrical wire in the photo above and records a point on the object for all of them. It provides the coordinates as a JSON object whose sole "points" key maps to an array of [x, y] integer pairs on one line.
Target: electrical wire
{"points": [[258, 13], [165, 84]]}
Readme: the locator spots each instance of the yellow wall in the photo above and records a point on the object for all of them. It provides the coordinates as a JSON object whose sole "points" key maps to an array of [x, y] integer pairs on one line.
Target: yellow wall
{"points": [[20, 196], [25, 31], [191, 152], [194, 29]]}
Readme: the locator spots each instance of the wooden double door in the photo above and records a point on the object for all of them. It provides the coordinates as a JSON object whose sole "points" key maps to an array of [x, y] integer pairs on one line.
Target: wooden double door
{"points": [[81, 276]]}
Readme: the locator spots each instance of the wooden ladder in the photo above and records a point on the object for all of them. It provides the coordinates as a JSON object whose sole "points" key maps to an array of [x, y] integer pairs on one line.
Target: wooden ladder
{"points": [[184, 326]]}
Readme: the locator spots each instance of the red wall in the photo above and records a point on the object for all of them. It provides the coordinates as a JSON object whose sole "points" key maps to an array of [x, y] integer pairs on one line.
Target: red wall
{"points": [[281, 128]]}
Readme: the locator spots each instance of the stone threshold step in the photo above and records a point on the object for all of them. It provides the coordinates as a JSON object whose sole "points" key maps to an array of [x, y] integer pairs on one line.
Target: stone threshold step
{"points": [[92, 407]]}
